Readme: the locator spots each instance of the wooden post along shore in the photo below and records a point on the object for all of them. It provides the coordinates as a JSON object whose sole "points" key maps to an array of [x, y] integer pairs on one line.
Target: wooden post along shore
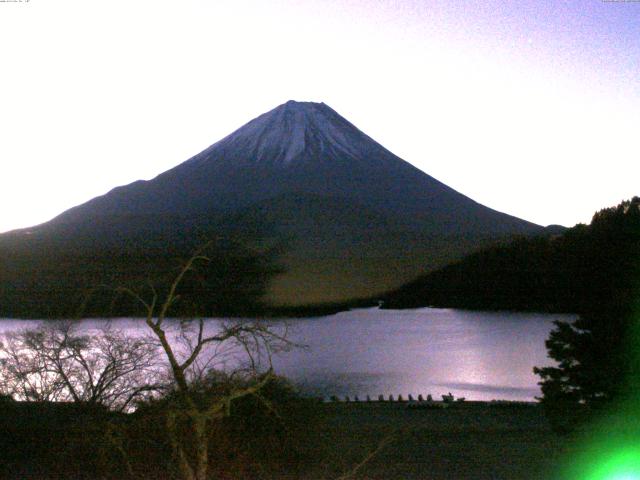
{"points": [[410, 399]]}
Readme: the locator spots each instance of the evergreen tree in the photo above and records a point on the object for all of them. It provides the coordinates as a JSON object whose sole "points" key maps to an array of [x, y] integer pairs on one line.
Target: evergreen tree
{"points": [[598, 355]]}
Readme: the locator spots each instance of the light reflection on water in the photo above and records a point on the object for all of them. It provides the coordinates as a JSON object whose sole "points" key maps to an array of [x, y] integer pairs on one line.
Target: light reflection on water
{"points": [[478, 355]]}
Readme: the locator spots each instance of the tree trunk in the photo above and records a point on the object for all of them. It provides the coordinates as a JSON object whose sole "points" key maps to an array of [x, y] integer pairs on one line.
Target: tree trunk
{"points": [[186, 472], [201, 446]]}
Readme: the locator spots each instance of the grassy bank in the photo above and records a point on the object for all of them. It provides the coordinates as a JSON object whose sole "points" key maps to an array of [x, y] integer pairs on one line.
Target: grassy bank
{"points": [[473, 440], [467, 441]]}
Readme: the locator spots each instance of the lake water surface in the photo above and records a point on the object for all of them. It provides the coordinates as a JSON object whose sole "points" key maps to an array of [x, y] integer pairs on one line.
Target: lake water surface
{"points": [[477, 355]]}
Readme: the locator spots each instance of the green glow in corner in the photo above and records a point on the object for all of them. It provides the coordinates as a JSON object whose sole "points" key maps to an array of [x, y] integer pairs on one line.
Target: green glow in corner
{"points": [[624, 465], [608, 446], [608, 456]]}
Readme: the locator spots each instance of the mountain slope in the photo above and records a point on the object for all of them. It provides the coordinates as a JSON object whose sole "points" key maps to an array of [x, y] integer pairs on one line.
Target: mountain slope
{"points": [[351, 218], [306, 148], [336, 249]]}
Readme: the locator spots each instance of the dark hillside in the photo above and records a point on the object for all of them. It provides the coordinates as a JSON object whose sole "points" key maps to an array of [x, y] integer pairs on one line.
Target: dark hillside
{"points": [[571, 272], [54, 277]]}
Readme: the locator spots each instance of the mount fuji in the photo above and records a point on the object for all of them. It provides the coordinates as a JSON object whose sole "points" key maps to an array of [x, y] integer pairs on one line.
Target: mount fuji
{"points": [[355, 219]]}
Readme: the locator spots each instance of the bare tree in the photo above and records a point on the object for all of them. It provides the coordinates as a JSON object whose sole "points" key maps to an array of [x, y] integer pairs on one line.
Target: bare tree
{"points": [[208, 365], [56, 362], [211, 366]]}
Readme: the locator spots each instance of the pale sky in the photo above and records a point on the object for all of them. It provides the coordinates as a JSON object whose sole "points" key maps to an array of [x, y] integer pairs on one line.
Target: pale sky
{"points": [[531, 107]]}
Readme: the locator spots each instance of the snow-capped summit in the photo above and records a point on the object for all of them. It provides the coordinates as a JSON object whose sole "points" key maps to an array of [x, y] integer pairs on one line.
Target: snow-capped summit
{"points": [[292, 132]]}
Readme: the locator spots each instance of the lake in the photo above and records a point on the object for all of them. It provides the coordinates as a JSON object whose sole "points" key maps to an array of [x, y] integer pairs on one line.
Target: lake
{"points": [[477, 355]]}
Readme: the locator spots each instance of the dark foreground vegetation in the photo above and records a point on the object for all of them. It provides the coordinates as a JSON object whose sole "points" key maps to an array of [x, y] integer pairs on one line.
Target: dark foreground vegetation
{"points": [[598, 356], [298, 439], [54, 440]]}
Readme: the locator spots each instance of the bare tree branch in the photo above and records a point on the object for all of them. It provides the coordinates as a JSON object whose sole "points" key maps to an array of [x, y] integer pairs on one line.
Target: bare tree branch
{"points": [[56, 363]]}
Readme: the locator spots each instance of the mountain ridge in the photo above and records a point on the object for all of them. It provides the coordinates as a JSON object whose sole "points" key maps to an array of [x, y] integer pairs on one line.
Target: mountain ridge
{"points": [[244, 168]]}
